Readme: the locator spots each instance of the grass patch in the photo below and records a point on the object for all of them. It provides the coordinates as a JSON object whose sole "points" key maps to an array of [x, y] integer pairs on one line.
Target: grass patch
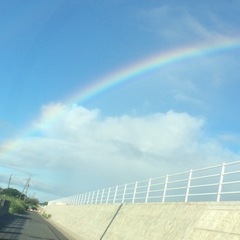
{"points": [[16, 205], [46, 215]]}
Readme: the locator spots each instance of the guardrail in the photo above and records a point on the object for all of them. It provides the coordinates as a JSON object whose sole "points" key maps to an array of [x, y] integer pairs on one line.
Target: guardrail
{"points": [[215, 183]]}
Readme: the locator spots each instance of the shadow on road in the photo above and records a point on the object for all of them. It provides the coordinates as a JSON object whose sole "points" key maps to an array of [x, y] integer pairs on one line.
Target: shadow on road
{"points": [[28, 226], [11, 225]]}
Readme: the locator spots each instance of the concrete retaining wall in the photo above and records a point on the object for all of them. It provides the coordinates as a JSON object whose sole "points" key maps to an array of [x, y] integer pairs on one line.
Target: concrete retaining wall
{"points": [[83, 221], [194, 221]]}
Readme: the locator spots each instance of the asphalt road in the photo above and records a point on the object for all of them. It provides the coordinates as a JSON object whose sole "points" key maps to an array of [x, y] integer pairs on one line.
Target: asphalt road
{"points": [[29, 225]]}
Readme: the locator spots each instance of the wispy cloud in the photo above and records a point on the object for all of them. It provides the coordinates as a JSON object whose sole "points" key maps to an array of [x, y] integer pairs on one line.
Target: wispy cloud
{"points": [[188, 99], [179, 24], [6, 128], [233, 139]]}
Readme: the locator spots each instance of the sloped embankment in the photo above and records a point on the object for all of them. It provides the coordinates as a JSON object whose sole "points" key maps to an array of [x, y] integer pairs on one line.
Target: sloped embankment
{"points": [[168, 221]]}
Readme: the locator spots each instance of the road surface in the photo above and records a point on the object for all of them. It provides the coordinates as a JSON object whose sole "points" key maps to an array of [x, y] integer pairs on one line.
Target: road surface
{"points": [[29, 225]]}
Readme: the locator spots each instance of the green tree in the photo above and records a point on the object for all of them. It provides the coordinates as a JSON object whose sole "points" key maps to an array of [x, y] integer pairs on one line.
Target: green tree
{"points": [[12, 192], [31, 201]]}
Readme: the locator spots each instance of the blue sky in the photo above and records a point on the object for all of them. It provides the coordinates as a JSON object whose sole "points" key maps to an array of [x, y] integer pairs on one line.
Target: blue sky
{"points": [[182, 116]]}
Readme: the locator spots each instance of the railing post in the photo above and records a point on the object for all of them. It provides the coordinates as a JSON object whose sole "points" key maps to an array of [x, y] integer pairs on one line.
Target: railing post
{"points": [[108, 195], [85, 198], [115, 194], [220, 183], [96, 201], [124, 192], [88, 198], [188, 185], [165, 189], [102, 195], [134, 192], [82, 198], [93, 194], [148, 189]]}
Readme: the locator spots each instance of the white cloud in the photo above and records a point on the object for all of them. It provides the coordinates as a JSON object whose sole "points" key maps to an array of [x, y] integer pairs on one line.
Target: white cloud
{"points": [[82, 150]]}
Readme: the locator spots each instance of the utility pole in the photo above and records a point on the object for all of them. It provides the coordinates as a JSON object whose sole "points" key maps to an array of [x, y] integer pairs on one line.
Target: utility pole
{"points": [[9, 181], [25, 189]]}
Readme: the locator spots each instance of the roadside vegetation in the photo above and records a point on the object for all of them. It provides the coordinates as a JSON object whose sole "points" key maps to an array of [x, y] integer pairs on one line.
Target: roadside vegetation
{"points": [[18, 201], [46, 215]]}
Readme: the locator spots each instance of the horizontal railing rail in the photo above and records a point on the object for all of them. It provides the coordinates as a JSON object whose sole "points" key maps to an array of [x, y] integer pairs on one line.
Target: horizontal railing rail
{"points": [[214, 183]]}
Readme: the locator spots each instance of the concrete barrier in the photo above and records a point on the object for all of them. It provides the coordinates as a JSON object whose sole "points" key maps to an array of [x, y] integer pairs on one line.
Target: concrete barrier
{"points": [[167, 221]]}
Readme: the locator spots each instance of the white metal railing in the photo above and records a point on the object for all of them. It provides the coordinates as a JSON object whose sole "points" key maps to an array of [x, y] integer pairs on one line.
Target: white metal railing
{"points": [[215, 183]]}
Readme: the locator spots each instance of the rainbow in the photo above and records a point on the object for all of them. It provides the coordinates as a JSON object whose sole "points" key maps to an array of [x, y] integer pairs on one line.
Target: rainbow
{"points": [[120, 76], [159, 60]]}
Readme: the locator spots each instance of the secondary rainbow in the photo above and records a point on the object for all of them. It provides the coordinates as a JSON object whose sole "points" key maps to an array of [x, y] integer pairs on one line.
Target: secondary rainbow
{"points": [[123, 75]]}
